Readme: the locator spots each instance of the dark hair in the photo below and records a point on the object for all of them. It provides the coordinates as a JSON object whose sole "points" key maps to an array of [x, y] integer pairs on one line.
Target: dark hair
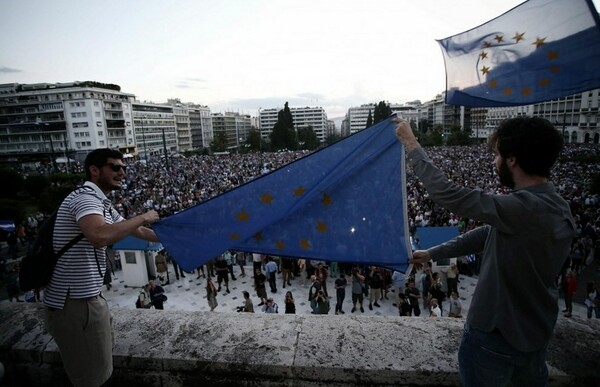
{"points": [[98, 158], [532, 141], [246, 294]]}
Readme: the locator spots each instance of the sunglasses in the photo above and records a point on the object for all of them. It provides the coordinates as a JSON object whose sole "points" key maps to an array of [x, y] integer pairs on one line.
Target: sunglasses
{"points": [[116, 167]]}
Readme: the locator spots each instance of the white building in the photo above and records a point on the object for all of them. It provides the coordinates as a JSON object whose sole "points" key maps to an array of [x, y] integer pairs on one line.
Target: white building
{"points": [[303, 117], [155, 130], [45, 120]]}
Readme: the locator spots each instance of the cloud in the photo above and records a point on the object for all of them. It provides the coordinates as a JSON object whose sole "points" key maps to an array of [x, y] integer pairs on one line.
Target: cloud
{"points": [[4, 69], [191, 83]]}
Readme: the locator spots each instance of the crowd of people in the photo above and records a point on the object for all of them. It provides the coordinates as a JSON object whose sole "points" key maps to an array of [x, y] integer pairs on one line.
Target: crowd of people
{"points": [[180, 183]]}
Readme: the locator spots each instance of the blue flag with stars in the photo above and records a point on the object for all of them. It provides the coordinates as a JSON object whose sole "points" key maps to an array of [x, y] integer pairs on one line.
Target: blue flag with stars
{"points": [[343, 203], [538, 51]]}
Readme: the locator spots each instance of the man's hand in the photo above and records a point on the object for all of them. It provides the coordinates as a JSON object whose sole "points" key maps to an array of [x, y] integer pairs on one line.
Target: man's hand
{"points": [[405, 134], [419, 258], [150, 217]]}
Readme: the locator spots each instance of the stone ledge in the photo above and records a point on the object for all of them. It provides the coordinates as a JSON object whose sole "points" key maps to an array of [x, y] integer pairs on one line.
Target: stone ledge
{"points": [[160, 348]]}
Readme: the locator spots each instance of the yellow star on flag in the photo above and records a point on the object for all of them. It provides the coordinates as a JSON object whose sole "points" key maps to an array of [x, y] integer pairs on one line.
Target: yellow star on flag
{"points": [[321, 227], [544, 82], [508, 91], [553, 55], [234, 236], [493, 83], [487, 44], [526, 91], [242, 216], [483, 55], [485, 70], [299, 191], [518, 37], [266, 198], [258, 236], [554, 69], [499, 38], [279, 245], [305, 244], [539, 42], [327, 201]]}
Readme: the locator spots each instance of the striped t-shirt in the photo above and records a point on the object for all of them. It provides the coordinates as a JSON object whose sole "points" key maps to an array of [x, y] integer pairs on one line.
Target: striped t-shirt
{"points": [[79, 272]]}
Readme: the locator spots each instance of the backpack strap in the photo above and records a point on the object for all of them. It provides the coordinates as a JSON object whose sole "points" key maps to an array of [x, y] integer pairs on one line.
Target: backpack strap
{"points": [[79, 237]]}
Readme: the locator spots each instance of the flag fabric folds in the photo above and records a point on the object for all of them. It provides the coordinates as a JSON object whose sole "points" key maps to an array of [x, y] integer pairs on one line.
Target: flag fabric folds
{"points": [[538, 51], [343, 203]]}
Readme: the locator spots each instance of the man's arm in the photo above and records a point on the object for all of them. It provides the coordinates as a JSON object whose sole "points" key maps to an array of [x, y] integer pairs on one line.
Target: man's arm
{"points": [[101, 234], [146, 234], [467, 243]]}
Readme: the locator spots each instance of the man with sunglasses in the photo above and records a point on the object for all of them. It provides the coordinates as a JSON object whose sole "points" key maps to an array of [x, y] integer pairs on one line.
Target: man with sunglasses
{"points": [[77, 315]]}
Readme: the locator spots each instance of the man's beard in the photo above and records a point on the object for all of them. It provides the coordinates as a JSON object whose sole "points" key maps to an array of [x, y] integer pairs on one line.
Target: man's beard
{"points": [[506, 177]]}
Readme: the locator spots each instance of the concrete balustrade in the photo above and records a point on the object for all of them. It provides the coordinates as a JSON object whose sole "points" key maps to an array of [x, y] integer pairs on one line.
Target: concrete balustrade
{"points": [[166, 348]]}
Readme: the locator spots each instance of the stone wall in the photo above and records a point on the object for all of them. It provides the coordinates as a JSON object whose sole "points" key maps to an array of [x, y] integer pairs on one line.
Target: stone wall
{"points": [[160, 348]]}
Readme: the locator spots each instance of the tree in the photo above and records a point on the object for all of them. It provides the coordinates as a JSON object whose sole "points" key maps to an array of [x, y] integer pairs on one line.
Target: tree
{"points": [[458, 136], [330, 139], [34, 185], [254, 140], [434, 137], [12, 182], [369, 120], [283, 135], [219, 143], [382, 111], [308, 138]]}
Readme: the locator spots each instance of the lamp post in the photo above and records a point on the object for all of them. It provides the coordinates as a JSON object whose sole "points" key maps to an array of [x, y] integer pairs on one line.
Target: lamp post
{"points": [[165, 149], [144, 140]]}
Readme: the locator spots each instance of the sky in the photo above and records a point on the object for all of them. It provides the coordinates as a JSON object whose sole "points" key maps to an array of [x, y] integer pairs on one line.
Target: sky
{"points": [[241, 55]]}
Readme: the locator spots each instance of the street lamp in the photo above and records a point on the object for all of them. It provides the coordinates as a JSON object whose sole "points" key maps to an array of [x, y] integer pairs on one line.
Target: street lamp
{"points": [[144, 140], [165, 148], [52, 159]]}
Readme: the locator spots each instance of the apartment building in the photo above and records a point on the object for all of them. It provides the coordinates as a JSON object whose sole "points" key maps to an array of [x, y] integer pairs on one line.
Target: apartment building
{"points": [[182, 124], [155, 130], [235, 126], [201, 127], [43, 121], [303, 117]]}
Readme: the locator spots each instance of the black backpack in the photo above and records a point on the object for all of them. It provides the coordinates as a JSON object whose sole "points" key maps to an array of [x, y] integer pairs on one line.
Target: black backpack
{"points": [[38, 265]]}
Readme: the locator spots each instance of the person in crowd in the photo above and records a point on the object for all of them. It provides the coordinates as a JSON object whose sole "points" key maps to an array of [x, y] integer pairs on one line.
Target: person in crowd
{"points": [[229, 259], [358, 283], [434, 308], [259, 286], [404, 308], [157, 295], [248, 305], [222, 272], [455, 308], [240, 259], [526, 234], [592, 300], [211, 294], [398, 282], [570, 289], [313, 291], [77, 316], [160, 261], [270, 306], [145, 302], [290, 304], [271, 273], [340, 293], [287, 265], [322, 302], [375, 284], [452, 278], [412, 296]]}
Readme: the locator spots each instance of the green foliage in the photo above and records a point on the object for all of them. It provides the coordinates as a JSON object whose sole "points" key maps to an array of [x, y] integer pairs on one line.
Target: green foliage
{"points": [[458, 136], [51, 198], [283, 135], [382, 111], [369, 120], [13, 210], [332, 138], [34, 185], [254, 140], [308, 138], [434, 137], [219, 143], [12, 183]]}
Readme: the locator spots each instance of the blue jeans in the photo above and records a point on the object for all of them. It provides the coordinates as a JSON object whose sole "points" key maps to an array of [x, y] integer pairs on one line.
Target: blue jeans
{"points": [[596, 310], [487, 359]]}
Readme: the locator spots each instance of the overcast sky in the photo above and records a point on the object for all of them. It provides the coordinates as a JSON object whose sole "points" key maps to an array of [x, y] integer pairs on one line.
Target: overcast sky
{"points": [[240, 55]]}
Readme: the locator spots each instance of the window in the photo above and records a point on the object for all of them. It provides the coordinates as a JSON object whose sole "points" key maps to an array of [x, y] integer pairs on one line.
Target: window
{"points": [[97, 114], [130, 257], [80, 124], [100, 133]]}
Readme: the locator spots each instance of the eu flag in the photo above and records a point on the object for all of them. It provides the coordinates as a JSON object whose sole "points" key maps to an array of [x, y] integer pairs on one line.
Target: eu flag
{"points": [[343, 203], [538, 51]]}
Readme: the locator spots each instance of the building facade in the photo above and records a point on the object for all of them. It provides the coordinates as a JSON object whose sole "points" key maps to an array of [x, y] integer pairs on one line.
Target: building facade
{"points": [[43, 121], [303, 117], [235, 126], [155, 130]]}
